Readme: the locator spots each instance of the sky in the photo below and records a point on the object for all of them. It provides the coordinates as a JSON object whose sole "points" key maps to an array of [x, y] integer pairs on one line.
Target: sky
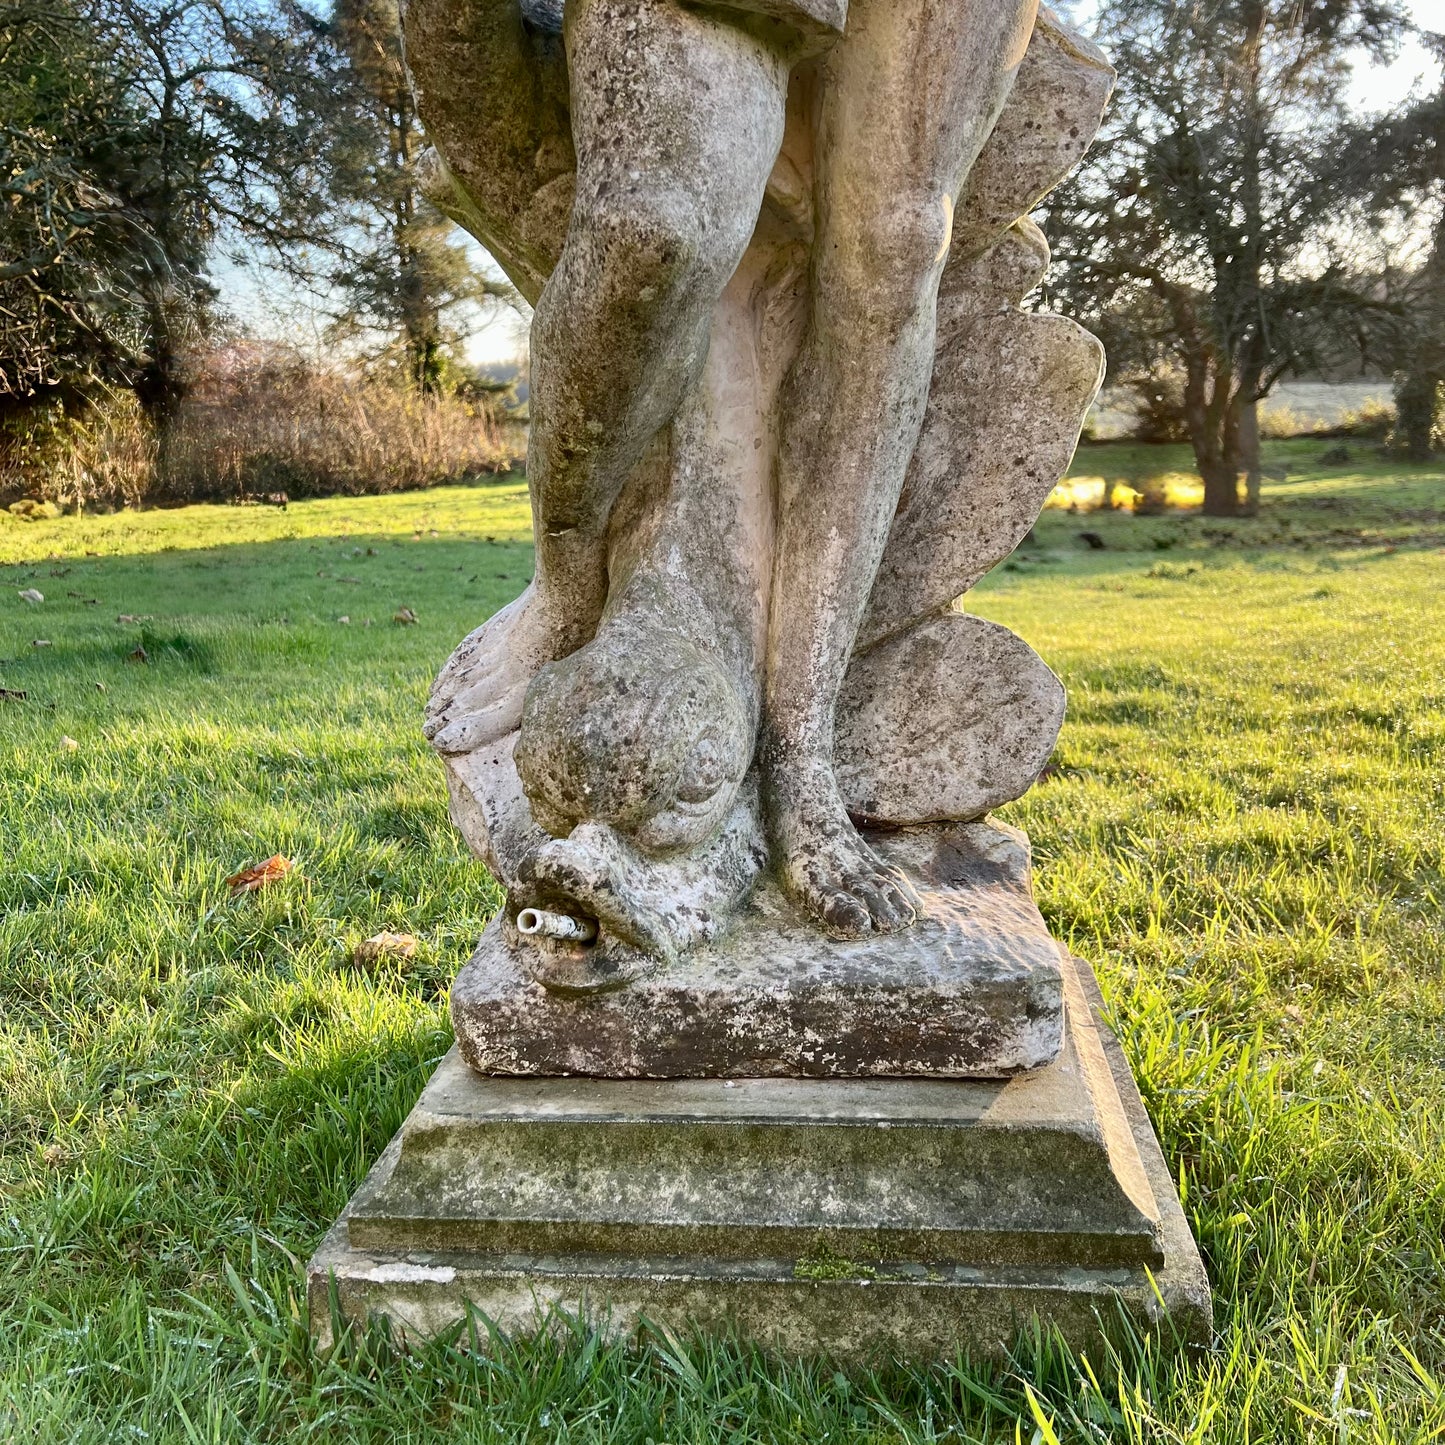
{"points": [[502, 338], [1382, 86]]}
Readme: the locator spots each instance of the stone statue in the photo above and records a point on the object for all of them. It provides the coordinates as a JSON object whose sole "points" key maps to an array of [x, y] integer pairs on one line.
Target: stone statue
{"points": [[732, 753], [785, 410]]}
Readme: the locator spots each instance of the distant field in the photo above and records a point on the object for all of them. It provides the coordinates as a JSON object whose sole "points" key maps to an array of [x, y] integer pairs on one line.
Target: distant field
{"points": [[1307, 404], [1243, 828]]}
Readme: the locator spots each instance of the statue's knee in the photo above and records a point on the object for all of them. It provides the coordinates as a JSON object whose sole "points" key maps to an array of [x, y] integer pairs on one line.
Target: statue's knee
{"points": [[655, 237], [899, 252]]}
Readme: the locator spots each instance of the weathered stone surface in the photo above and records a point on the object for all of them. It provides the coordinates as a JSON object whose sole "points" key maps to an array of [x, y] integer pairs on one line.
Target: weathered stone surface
{"points": [[1053, 111], [494, 94], [949, 719], [641, 730], [920, 1172], [1009, 398], [946, 1215], [995, 281], [824, 17], [973, 991], [648, 910], [717, 446], [491, 811], [544, 14], [818, 20], [739, 223]]}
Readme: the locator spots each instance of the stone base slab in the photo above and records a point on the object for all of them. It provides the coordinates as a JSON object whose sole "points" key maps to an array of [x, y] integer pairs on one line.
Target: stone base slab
{"points": [[849, 1217], [973, 990]]}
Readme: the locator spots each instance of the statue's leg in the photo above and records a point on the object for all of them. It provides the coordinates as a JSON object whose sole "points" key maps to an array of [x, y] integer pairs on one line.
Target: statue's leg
{"points": [[677, 116], [910, 96]]}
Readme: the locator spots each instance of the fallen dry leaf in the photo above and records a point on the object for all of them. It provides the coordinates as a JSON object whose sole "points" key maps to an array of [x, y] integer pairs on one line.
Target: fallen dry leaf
{"points": [[32, 596], [382, 946], [137, 617], [138, 655], [248, 880], [69, 745], [404, 615], [346, 620]]}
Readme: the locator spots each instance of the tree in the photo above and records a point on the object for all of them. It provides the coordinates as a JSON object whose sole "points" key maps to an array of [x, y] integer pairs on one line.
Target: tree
{"points": [[70, 242], [1405, 154], [223, 87], [1205, 227], [136, 132], [393, 274]]}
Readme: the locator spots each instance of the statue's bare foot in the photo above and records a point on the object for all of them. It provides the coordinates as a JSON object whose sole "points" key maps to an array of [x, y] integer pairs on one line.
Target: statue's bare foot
{"points": [[477, 697], [825, 865]]}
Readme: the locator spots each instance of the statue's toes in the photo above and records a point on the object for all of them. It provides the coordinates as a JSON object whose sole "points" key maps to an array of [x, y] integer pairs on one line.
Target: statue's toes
{"points": [[853, 893], [842, 912], [499, 647], [462, 731], [475, 656], [892, 904]]}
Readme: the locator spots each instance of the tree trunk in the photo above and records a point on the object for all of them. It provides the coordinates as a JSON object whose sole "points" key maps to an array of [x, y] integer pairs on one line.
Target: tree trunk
{"points": [[160, 388], [1416, 404], [1212, 435], [1247, 433], [1221, 486]]}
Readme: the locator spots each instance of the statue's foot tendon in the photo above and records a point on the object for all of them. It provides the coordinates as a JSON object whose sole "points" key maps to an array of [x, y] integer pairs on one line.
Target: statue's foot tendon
{"points": [[825, 864], [478, 696]]}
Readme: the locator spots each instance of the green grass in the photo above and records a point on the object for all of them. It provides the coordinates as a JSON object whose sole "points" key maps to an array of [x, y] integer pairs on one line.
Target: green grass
{"points": [[1242, 829]]}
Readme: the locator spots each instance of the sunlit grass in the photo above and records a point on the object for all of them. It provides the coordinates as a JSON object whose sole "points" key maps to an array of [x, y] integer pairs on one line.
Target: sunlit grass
{"points": [[495, 509], [1244, 828], [1089, 493]]}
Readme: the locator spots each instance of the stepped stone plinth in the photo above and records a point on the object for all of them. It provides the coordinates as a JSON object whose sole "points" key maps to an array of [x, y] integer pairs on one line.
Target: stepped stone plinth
{"points": [[850, 1217]]}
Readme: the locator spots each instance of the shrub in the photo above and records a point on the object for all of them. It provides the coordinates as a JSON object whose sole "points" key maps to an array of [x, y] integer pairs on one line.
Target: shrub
{"points": [[1372, 421], [98, 454], [1280, 422], [1158, 404], [260, 420], [257, 420]]}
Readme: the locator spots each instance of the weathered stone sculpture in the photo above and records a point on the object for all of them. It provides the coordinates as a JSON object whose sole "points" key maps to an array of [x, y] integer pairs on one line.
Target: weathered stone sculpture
{"points": [[785, 410], [732, 752]]}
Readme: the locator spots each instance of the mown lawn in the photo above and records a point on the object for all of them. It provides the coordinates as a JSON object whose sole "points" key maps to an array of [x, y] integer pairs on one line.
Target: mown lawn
{"points": [[1243, 829]]}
